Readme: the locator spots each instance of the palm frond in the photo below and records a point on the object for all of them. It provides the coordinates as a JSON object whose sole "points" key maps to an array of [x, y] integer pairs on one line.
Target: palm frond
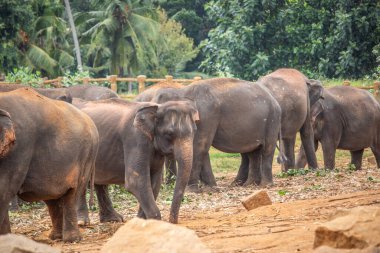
{"points": [[41, 59]]}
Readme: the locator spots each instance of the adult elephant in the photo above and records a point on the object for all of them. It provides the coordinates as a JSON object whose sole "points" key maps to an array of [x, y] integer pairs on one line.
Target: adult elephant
{"points": [[295, 93], [54, 93], [235, 116], [348, 118], [134, 137], [47, 152]]}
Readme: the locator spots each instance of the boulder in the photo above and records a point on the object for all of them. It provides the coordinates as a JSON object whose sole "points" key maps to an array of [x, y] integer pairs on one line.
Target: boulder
{"points": [[357, 228], [11, 243], [156, 236], [256, 199]]}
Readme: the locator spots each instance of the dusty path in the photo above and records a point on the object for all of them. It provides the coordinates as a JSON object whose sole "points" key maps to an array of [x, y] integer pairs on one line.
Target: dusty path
{"points": [[301, 202]]}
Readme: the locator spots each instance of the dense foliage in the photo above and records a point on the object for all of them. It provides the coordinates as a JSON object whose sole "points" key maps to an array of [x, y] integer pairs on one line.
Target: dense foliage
{"points": [[240, 38], [328, 38]]}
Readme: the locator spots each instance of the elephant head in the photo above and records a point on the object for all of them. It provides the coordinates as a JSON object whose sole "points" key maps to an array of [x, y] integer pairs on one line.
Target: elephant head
{"points": [[315, 90], [316, 112], [172, 126], [7, 133]]}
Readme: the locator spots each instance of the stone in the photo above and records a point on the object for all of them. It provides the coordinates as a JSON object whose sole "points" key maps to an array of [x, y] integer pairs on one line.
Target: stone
{"points": [[156, 236], [326, 249], [256, 199], [11, 243], [357, 228]]}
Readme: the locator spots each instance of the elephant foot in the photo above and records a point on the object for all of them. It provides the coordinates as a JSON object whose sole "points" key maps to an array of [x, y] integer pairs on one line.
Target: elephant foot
{"points": [[250, 182], [83, 220], [208, 189], [73, 236], [193, 188], [55, 235], [266, 184], [111, 217]]}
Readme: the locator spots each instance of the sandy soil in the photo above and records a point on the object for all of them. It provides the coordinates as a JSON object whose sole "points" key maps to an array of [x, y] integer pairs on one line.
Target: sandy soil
{"points": [[301, 202]]}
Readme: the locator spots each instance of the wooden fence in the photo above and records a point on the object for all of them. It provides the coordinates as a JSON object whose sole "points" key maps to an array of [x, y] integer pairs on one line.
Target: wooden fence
{"points": [[113, 80], [142, 80]]}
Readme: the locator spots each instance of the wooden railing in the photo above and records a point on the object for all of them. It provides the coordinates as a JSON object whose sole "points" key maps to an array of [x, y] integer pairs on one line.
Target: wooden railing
{"points": [[113, 80]]}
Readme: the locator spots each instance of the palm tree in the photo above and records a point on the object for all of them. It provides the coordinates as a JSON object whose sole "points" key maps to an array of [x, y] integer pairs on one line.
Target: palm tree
{"points": [[121, 34], [46, 47], [74, 32]]}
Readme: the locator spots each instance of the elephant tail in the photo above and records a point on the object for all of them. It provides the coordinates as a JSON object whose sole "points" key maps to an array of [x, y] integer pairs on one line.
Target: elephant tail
{"points": [[92, 183], [281, 158]]}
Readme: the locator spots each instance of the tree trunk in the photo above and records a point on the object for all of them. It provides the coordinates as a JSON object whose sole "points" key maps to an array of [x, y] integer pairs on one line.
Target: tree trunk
{"points": [[74, 32]]}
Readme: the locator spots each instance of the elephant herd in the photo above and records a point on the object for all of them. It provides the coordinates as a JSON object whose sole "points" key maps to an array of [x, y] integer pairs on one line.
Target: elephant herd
{"points": [[51, 150]]}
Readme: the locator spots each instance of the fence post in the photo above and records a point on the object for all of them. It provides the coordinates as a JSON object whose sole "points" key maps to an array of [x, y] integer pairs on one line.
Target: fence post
{"points": [[346, 83], [59, 81], [169, 78], [376, 87], [113, 80], [141, 81], [86, 80], [197, 78]]}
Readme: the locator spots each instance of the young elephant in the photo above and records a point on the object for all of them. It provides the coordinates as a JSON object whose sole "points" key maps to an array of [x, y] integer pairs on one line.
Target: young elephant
{"points": [[134, 137], [47, 152], [348, 118]]}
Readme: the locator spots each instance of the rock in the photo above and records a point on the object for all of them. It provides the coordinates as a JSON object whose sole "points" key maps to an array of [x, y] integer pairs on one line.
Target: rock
{"points": [[256, 199], [326, 249], [11, 243], [156, 236], [357, 228]]}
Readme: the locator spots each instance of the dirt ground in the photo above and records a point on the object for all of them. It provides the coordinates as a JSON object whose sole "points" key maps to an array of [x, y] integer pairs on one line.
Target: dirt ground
{"points": [[301, 203]]}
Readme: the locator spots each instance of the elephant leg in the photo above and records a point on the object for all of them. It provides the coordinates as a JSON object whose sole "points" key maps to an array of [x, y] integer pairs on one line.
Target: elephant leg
{"points": [[254, 170], [288, 144], [56, 216], [301, 160], [307, 139], [156, 179], [82, 210], [329, 150], [171, 169], [266, 164], [5, 226], [356, 158], [70, 232], [242, 175], [207, 177], [106, 211]]}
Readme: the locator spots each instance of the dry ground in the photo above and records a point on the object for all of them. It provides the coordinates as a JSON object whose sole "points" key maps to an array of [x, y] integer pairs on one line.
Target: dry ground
{"points": [[301, 202]]}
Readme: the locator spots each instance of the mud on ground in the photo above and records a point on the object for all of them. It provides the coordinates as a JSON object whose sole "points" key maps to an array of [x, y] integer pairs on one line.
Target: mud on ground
{"points": [[301, 202]]}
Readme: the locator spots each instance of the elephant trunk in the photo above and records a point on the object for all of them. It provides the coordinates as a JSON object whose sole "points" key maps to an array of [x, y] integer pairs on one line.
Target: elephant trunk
{"points": [[183, 153]]}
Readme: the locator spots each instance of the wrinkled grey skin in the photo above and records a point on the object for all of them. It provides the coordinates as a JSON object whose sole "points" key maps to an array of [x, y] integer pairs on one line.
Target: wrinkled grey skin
{"points": [[47, 152], [295, 93], [91, 92], [222, 103], [348, 118], [134, 137]]}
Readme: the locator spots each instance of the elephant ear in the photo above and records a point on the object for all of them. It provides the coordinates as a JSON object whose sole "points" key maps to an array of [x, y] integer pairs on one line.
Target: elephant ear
{"points": [[66, 98], [145, 120], [315, 90], [7, 133]]}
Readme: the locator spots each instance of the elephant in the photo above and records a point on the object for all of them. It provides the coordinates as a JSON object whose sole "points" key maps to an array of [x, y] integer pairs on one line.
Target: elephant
{"points": [[54, 93], [236, 116], [47, 152], [91, 92], [147, 96], [347, 118], [134, 138]]}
